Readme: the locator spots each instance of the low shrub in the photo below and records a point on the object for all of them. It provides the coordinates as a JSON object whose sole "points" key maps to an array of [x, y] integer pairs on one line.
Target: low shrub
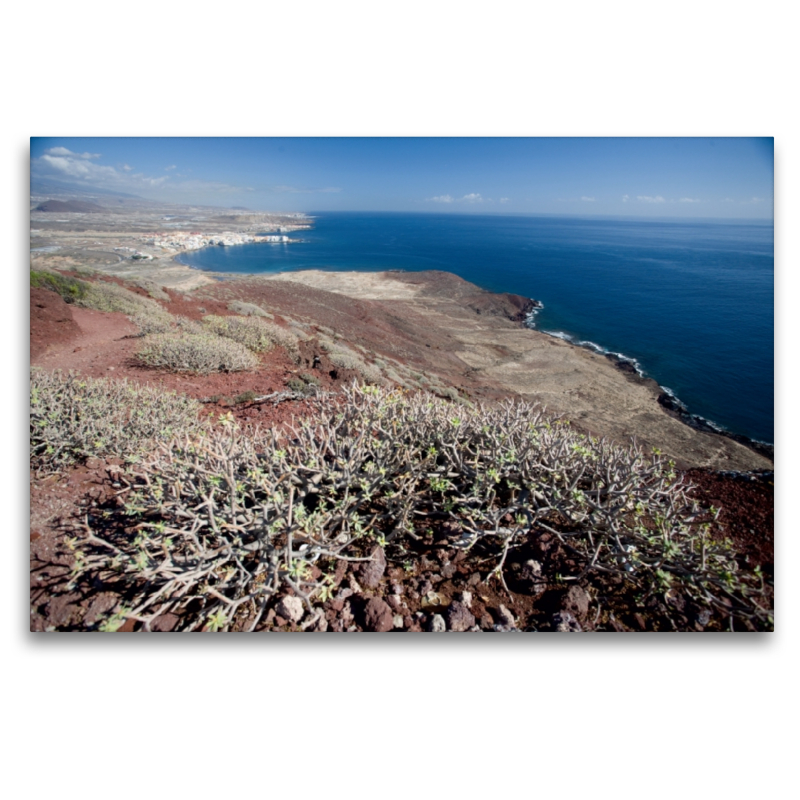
{"points": [[395, 378], [330, 346], [254, 333], [296, 385], [189, 325], [299, 330], [146, 314], [346, 360], [153, 289], [449, 392], [148, 322], [248, 331], [246, 517], [248, 309], [371, 374], [72, 418], [283, 337], [110, 297], [196, 352], [70, 289]]}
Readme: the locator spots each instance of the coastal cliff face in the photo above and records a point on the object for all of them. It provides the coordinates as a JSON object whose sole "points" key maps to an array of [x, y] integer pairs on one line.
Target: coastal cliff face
{"points": [[473, 338]]}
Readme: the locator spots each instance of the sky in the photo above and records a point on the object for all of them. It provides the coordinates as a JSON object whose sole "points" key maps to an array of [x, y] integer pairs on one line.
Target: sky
{"points": [[633, 177]]}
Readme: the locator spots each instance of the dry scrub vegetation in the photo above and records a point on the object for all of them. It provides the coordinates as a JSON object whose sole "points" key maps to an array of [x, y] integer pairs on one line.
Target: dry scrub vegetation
{"points": [[73, 418], [227, 343], [253, 332], [220, 520], [196, 352]]}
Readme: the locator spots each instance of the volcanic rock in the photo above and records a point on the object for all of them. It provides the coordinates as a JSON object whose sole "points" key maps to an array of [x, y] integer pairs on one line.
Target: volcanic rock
{"points": [[378, 616], [458, 617]]}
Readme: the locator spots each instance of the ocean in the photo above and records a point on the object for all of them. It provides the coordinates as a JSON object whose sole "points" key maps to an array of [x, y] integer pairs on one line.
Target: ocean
{"points": [[692, 303]]}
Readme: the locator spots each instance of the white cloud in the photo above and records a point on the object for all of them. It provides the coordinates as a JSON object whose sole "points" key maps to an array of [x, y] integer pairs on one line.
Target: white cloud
{"points": [[167, 169], [78, 167], [689, 200], [643, 198], [62, 151], [58, 162], [151, 181], [728, 200], [587, 199], [625, 198], [473, 197], [296, 190], [756, 199], [504, 199]]}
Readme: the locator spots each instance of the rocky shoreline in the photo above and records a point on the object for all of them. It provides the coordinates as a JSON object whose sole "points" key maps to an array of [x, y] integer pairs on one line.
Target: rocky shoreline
{"points": [[666, 399], [676, 408]]}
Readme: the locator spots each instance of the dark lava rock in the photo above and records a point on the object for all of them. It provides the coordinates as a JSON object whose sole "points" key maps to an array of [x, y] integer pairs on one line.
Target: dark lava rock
{"points": [[505, 617], [449, 570], [458, 617], [378, 616], [369, 573], [395, 601], [532, 577], [576, 601], [564, 622], [506, 629]]}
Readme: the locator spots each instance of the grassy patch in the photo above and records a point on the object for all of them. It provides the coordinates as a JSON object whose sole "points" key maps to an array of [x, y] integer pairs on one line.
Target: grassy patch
{"points": [[70, 289]]}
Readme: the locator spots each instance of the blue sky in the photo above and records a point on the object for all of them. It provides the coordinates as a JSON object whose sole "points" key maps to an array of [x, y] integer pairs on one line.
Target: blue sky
{"points": [[640, 177]]}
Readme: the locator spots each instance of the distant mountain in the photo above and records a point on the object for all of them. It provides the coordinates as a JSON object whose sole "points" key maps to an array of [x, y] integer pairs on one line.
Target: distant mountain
{"points": [[60, 206], [48, 188]]}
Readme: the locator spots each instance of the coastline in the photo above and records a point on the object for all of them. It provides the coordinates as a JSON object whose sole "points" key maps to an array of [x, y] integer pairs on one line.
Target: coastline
{"points": [[525, 316], [667, 399], [487, 335], [69, 251], [719, 416]]}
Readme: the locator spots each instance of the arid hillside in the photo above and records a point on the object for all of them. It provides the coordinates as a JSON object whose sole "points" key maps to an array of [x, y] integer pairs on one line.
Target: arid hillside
{"points": [[293, 344]]}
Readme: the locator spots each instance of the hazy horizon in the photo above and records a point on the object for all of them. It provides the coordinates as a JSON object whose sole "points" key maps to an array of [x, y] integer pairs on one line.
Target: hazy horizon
{"points": [[636, 178]]}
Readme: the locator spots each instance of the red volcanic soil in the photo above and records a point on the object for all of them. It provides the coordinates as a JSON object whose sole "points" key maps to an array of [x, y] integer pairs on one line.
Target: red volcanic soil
{"points": [[397, 595], [103, 345]]}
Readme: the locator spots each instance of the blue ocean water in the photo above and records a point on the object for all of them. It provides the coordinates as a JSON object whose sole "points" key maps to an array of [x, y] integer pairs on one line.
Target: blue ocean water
{"points": [[691, 302]]}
